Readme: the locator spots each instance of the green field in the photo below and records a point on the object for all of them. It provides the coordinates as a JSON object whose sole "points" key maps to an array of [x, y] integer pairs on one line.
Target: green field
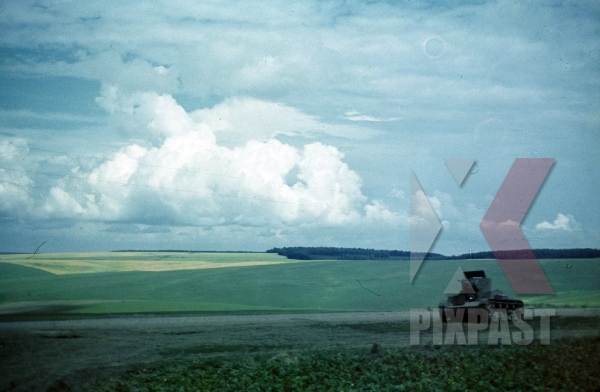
{"points": [[118, 283]]}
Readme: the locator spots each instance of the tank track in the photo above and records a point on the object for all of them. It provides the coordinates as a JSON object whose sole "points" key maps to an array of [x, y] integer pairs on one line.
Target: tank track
{"points": [[493, 307]]}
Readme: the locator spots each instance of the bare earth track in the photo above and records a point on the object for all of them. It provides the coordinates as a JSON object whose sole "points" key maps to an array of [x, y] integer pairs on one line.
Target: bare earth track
{"points": [[38, 355]]}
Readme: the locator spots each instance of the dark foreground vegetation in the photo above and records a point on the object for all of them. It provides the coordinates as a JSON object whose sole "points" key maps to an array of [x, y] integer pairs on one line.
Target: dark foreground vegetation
{"points": [[329, 253], [565, 365]]}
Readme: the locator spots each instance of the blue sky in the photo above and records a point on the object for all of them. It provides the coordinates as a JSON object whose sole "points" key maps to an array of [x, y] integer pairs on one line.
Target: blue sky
{"points": [[252, 125]]}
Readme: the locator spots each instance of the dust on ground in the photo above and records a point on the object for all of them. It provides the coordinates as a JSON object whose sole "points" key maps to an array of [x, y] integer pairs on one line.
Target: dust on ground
{"points": [[36, 355]]}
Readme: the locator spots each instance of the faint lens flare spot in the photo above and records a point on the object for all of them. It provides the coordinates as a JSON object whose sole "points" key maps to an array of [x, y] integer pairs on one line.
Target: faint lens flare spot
{"points": [[434, 47]]}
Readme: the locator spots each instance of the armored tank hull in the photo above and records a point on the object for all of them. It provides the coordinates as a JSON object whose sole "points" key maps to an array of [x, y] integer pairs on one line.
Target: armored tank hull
{"points": [[477, 294]]}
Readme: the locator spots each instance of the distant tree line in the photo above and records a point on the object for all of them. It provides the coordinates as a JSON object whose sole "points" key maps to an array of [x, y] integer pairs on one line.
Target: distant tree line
{"points": [[330, 253], [575, 253]]}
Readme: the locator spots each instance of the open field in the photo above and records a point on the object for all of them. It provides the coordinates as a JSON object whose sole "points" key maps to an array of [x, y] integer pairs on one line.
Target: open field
{"points": [[266, 283], [265, 351], [92, 323]]}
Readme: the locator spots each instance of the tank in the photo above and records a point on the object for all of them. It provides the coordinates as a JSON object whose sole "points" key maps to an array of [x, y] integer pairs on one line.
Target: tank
{"points": [[477, 293]]}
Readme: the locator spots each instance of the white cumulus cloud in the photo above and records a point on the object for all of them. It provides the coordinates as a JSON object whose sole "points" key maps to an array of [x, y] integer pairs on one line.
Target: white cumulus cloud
{"points": [[562, 222], [181, 175]]}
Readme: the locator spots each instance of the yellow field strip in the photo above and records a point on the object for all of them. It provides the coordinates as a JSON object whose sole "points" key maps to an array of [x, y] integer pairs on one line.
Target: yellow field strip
{"points": [[60, 267]]}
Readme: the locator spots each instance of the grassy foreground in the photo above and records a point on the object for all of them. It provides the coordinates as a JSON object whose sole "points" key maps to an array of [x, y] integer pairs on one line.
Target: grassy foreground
{"points": [[565, 365], [114, 284]]}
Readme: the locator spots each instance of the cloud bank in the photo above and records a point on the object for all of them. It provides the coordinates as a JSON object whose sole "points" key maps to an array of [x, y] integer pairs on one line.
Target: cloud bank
{"points": [[181, 175]]}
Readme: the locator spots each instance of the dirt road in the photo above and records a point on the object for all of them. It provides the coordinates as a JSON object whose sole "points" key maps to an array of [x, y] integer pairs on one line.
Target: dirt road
{"points": [[44, 354]]}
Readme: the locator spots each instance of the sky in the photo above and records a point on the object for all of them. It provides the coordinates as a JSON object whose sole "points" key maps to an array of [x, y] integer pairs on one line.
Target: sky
{"points": [[251, 125]]}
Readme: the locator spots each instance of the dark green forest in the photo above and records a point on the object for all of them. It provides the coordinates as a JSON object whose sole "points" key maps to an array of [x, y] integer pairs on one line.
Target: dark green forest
{"points": [[331, 253]]}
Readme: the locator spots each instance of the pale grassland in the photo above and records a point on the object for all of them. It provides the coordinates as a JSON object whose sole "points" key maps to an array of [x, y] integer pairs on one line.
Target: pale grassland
{"points": [[96, 262]]}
